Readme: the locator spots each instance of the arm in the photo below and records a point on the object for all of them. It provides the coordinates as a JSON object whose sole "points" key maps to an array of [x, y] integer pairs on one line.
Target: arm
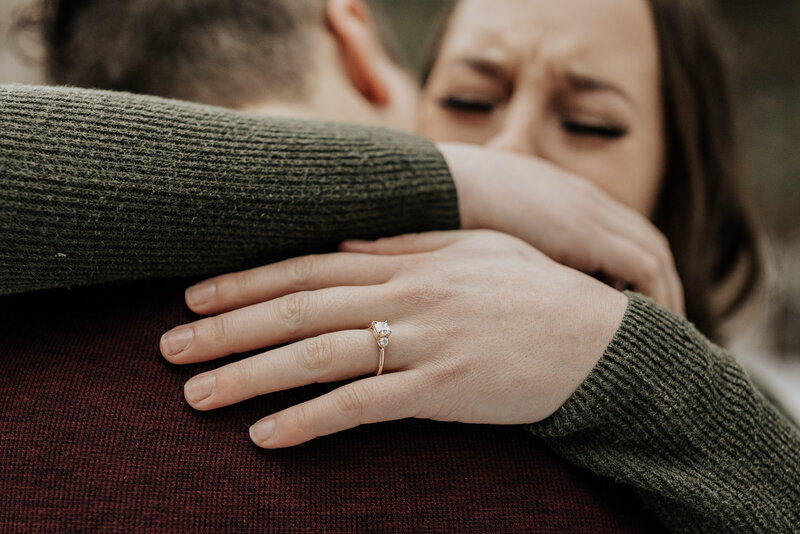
{"points": [[673, 416], [488, 330], [98, 186]]}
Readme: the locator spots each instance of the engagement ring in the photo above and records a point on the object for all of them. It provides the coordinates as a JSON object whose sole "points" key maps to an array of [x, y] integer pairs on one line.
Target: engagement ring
{"points": [[381, 331]]}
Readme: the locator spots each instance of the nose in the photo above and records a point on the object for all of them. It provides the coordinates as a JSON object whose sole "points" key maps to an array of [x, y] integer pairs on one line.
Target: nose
{"points": [[520, 131]]}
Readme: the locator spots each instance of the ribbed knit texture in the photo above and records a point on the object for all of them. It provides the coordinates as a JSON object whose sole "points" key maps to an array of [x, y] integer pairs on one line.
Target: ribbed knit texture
{"points": [[673, 416], [95, 436], [98, 186]]}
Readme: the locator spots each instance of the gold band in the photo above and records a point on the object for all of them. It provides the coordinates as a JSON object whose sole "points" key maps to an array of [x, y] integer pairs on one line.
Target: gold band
{"points": [[381, 331], [380, 363]]}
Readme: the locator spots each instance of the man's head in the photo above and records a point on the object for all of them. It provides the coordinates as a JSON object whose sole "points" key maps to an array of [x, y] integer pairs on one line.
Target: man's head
{"points": [[316, 58]]}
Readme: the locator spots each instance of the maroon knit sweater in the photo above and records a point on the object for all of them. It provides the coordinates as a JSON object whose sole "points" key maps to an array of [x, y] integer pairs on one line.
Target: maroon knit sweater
{"points": [[95, 435]]}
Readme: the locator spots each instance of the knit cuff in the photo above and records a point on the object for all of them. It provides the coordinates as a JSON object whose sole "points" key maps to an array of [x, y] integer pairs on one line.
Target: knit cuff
{"points": [[645, 357], [672, 415]]}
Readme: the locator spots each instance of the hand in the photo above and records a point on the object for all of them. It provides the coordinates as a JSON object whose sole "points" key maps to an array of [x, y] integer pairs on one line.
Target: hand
{"points": [[566, 217], [485, 329]]}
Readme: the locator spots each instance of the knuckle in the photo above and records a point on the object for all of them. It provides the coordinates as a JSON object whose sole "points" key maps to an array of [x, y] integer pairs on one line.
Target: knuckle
{"points": [[664, 243], [418, 296], [300, 271], [316, 354], [448, 372], [293, 310], [349, 404], [303, 419], [233, 286], [440, 378], [650, 269], [241, 284], [662, 247], [240, 375], [218, 328], [403, 242]]}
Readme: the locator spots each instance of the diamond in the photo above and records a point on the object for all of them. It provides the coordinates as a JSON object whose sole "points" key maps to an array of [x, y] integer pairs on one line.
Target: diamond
{"points": [[383, 342], [381, 328]]}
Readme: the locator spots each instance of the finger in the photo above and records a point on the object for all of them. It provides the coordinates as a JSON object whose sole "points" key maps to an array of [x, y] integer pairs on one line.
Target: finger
{"points": [[236, 290], [326, 358], [658, 247], [371, 400], [406, 244], [625, 260], [296, 316], [680, 299], [630, 225]]}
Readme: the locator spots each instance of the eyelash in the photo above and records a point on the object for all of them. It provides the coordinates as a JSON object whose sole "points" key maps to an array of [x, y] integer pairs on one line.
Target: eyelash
{"points": [[481, 107], [581, 128], [467, 105]]}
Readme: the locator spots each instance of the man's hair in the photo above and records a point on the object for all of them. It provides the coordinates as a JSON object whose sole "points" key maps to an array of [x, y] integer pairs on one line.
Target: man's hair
{"points": [[221, 52]]}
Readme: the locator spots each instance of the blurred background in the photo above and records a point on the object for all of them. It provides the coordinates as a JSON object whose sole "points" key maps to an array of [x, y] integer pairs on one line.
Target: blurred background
{"points": [[763, 45]]}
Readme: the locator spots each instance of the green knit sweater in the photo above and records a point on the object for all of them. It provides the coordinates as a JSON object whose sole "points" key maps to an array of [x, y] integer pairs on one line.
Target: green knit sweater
{"points": [[96, 187]]}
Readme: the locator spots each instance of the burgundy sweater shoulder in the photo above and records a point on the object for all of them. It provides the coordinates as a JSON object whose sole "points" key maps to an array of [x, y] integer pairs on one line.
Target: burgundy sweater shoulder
{"points": [[95, 434]]}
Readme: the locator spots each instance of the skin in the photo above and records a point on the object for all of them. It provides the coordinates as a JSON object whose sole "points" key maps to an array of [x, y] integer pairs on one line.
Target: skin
{"points": [[510, 352], [574, 82], [355, 80], [485, 327], [560, 213]]}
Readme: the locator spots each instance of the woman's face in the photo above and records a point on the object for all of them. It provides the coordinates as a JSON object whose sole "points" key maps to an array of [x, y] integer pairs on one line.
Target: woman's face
{"points": [[575, 82]]}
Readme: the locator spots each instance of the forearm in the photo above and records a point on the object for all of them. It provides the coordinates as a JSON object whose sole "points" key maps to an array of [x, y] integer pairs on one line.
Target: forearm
{"points": [[674, 417], [98, 186]]}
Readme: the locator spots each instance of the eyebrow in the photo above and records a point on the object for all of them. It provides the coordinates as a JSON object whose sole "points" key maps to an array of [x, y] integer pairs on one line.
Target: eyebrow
{"points": [[486, 67], [576, 81]]}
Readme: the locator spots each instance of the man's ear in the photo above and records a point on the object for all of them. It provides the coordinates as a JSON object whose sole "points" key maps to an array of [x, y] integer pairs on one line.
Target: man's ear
{"points": [[360, 47]]}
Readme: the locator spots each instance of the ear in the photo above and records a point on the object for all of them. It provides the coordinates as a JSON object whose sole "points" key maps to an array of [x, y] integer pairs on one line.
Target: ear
{"points": [[361, 50]]}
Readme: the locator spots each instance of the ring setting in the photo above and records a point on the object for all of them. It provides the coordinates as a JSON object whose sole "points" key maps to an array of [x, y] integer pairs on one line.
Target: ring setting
{"points": [[381, 331]]}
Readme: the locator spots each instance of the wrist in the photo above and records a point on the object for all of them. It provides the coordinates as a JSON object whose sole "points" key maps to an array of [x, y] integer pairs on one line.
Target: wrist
{"points": [[464, 164], [598, 311]]}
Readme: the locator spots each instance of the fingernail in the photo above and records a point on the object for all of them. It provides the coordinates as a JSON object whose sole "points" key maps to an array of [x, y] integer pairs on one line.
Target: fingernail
{"points": [[262, 431], [199, 388], [201, 293], [176, 341]]}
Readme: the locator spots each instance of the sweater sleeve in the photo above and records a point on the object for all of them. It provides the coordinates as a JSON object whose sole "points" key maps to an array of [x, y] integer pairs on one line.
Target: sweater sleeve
{"points": [[673, 416], [98, 186]]}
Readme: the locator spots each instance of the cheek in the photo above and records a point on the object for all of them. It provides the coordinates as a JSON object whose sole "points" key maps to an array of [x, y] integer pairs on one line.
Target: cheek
{"points": [[629, 171], [646, 174]]}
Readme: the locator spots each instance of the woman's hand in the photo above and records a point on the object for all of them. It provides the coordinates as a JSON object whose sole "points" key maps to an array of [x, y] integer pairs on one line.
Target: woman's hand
{"points": [[485, 329], [567, 217]]}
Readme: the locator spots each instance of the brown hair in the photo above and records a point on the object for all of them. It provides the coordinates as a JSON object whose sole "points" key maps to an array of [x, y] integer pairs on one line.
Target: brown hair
{"points": [[221, 52], [700, 210]]}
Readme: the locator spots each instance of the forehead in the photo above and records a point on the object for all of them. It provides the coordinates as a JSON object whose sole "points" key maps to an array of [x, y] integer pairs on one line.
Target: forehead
{"points": [[610, 38]]}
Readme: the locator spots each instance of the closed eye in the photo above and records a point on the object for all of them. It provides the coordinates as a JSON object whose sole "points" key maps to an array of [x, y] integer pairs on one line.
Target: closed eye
{"points": [[468, 105], [594, 130]]}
